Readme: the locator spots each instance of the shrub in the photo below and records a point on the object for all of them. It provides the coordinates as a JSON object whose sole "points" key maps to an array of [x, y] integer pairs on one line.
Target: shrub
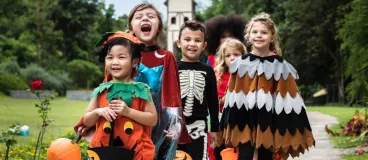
{"points": [[11, 82], [54, 80], [10, 67], [84, 73]]}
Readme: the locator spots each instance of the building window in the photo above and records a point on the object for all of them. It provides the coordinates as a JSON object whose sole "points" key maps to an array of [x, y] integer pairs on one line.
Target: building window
{"points": [[173, 20], [186, 19]]}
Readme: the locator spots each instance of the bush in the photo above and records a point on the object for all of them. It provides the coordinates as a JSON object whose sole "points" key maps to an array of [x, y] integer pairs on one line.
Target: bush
{"points": [[65, 81], [57, 81], [84, 73], [10, 67], [11, 82]]}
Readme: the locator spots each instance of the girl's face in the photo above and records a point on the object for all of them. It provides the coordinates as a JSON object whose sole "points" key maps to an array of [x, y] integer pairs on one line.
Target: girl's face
{"points": [[192, 44], [119, 63], [145, 25], [230, 54], [260, 36]]}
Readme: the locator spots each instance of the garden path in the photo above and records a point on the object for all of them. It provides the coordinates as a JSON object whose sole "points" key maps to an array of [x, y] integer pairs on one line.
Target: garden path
{"points": [[323, 149]]}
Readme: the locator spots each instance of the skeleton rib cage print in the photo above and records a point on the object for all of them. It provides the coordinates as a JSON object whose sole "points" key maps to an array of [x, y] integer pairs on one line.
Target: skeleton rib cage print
{"points": [[192, 85]]}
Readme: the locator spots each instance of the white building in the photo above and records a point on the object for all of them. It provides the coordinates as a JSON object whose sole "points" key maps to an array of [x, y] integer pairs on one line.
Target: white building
{"points": [[178, 11]]}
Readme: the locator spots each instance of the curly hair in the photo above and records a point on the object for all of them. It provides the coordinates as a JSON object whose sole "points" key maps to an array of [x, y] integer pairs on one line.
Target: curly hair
{"points": [[220, 66], [265, 19], [217, 26]]}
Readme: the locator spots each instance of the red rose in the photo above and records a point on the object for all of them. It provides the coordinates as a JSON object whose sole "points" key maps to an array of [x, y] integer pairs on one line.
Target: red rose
{"points": [[36, 85]]}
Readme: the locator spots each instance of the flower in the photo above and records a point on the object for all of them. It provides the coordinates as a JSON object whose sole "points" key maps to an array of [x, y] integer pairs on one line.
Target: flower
{"points": [[36, 85]]}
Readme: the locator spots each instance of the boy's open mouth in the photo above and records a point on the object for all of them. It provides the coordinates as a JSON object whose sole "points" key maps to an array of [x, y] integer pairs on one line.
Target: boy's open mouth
{"points": [[146, 29]]}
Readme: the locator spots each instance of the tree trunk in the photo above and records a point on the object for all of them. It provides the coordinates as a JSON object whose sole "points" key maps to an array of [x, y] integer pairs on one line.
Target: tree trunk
{"points": [[341, 80]]}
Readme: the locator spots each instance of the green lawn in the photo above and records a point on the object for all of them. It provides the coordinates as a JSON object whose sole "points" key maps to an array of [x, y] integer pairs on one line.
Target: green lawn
{"points": [[65, 113], [343, 114]]}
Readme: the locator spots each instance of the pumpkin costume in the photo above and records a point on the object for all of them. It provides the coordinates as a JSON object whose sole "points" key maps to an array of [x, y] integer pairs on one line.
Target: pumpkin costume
{"points": [[264, 108], [122, 132]]}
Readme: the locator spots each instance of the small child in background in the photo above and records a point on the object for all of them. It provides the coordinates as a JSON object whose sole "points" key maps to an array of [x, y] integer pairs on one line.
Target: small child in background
{"points": [[198, 90], [218, 29], [229, 50]]}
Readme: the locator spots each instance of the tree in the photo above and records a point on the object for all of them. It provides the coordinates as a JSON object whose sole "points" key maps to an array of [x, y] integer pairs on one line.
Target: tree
{"points": [[78, 20], [353, 33]]}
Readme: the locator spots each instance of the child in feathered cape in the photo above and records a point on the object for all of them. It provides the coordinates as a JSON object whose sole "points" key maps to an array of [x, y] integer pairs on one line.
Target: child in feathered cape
{"points": [[264, 114], [122, 110]]}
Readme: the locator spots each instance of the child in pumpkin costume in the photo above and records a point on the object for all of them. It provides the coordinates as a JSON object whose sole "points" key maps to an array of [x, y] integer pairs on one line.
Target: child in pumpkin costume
{"points": [[121, 109]]}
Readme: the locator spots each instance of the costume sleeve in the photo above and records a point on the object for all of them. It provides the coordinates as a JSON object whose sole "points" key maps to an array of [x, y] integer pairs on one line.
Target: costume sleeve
{"points": [[171, 98], [212, 98], [170, 83]]}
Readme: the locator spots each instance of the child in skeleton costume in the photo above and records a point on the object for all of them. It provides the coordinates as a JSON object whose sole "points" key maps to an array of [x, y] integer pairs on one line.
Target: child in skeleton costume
{"points": [[221, 27], [263, 110], [159, 70], [198, 90], [121, 110]]}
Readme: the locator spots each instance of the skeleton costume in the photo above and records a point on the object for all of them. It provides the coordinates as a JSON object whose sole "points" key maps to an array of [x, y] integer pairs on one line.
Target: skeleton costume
{"points": [[199, 95], [264, 109]]}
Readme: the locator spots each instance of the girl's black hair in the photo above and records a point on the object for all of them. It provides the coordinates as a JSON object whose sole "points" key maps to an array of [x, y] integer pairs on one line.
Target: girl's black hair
{"points": [[134, 49], [216, 26]]}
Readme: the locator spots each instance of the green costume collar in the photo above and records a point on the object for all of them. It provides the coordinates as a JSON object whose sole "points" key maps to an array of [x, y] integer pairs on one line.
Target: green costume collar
{"points": [[125, 91]]}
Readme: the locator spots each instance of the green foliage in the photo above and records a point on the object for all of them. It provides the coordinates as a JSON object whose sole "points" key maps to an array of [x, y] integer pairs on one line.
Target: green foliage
{"points": [[307, 91], [10, 67], [8, 137], [43, 109], [84, 73], [57, 81], [11, 82], [51, 33], [352, 33]]}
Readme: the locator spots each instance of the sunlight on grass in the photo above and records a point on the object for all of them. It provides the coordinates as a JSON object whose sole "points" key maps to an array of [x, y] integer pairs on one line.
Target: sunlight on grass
{"points": [[343, 114], [65, 113], [356, 157]]}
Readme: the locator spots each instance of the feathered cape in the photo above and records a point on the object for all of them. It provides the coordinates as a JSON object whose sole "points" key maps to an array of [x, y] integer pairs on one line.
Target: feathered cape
{"points": [[264, 107]]}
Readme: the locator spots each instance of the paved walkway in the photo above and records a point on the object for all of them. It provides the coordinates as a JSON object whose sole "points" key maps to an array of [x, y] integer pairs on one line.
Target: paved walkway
{"points": [[323, 149]]}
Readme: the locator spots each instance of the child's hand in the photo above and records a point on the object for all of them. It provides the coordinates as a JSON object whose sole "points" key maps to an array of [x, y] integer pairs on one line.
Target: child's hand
{"points": [[82, 130], [213, 139], [106, 112], [119, 107], [174, 131]]}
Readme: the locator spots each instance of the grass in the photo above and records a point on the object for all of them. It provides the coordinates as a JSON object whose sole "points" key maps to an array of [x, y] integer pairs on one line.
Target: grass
{"points": [[65, 113], [343, 114]]}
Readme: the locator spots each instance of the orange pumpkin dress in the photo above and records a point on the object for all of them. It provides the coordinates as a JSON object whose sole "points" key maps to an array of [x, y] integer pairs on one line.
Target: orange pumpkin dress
{"points": [[127, 133]]}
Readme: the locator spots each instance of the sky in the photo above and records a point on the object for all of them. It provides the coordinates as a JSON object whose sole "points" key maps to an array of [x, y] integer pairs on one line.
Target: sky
{"points": [[124, 6]]}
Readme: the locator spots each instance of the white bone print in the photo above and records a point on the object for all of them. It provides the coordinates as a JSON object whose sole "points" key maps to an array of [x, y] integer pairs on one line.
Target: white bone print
{"points": [[197, 130], [192, 85]]}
